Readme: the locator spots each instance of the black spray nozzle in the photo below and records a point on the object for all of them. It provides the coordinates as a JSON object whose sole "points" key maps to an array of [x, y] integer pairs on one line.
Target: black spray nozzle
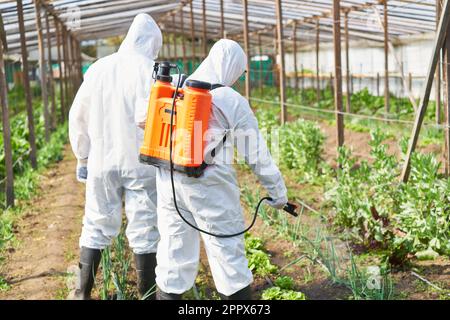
{"points": [[290, 208]]}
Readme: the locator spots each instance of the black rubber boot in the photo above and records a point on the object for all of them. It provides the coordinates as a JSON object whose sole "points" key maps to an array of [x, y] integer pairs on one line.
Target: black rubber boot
{"points": [[89, 261], [243, 294], [161, 295], [145, 269]]}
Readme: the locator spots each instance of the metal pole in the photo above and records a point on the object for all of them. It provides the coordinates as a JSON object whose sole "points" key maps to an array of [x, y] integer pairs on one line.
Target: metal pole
{"points": [[386, 60], [294, 44], [338, 72], [347, 62], [42, 67], [442, 33], [50, 73], [204, 39], [317, 61], [26, 85], [246, 48], [6, 131]]}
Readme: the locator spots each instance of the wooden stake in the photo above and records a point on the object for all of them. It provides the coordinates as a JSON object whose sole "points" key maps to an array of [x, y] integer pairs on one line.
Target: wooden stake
{"points": [[61, 78], [42, 69], [6, 131], [438, 70], [425, 97], [26, 85], [294, 44], [246, 48], [338, 73], [204, 38], [317, 61], [378, 84], [51, 85], [183, 42], [347, 62], [280, 37], [261, 73], [192, 35], [447, 103], [386, 61], [222, 21]]}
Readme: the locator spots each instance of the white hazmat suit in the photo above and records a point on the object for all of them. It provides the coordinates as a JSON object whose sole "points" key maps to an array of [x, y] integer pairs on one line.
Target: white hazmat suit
{"points": [[110, 103], [212, 202]]}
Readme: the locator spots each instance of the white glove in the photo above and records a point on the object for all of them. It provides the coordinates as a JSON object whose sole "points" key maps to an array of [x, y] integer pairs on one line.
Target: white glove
{"points": [[82, 170], [278, 203]]}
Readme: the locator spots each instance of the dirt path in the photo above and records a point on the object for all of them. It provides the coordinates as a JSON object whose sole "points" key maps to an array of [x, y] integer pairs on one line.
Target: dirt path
{"points": [[47, 234]]}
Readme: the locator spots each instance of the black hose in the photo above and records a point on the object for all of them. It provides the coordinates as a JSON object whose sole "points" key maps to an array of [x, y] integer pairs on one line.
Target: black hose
{"points": [[173, 184]]}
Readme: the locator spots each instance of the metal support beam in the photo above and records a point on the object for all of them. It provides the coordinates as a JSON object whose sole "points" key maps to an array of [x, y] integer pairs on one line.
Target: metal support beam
{"points": [[280, 38], [246, 48], [442, 32], [338, 73]]}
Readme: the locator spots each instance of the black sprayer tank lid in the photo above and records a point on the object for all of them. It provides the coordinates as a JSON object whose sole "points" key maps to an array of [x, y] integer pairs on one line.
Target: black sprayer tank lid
{"points": [[198, 84], [164, 72]]}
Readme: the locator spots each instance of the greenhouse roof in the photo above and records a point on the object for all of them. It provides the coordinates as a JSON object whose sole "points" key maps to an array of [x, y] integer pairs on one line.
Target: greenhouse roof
{"points": [[101, 19]]}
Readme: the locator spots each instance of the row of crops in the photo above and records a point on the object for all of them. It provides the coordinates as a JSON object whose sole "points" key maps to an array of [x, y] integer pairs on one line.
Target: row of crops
{"points": [[363, 205], [367, 199]]}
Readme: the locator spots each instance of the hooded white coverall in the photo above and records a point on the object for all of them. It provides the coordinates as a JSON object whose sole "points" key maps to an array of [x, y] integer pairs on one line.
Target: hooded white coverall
{"points": [[103, 129], [212, 202]]}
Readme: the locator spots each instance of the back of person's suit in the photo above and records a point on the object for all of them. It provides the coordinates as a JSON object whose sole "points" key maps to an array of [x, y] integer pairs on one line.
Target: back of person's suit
{"points": [[105, 138]]}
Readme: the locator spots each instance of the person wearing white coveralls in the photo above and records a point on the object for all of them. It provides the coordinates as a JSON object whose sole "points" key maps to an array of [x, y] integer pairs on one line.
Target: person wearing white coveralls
{"points": [[105, 137], [212, 201]]}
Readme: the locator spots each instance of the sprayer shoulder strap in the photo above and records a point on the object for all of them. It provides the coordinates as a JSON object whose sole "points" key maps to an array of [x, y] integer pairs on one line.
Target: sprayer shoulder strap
{"points": [[213, 152]]}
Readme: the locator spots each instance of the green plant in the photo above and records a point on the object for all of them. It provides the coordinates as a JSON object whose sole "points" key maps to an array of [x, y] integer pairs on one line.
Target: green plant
{"points": [[277, 293], [376, 209], [258, 260]]}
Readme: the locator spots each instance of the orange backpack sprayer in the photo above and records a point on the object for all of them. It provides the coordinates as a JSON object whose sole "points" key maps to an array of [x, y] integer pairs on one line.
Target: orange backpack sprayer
{"points": [[176, 122]]}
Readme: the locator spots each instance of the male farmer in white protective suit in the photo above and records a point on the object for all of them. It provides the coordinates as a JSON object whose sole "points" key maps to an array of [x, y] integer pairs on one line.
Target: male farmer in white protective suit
{"points": [[105, 137], [211, 202]]}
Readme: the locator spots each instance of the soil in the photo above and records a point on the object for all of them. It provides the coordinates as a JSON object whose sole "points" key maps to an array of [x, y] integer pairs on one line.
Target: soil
{"points": [[47, 236]]}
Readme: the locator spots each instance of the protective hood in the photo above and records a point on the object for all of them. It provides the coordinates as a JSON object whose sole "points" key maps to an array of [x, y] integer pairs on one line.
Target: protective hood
{"points": [[144, 37], [224, 64]]}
